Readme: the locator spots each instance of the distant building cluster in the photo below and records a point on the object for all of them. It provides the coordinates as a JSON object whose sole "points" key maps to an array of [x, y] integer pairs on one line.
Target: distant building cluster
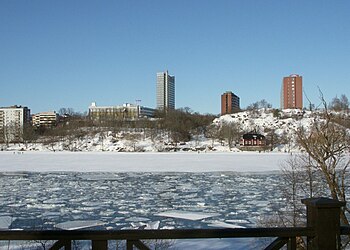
{"points": [[13, 119], [165, 100], [291, 96]]}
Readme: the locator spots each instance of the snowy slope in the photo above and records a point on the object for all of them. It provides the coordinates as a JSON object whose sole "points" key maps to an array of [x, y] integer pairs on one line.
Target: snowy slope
{"points": [[261, 121]]}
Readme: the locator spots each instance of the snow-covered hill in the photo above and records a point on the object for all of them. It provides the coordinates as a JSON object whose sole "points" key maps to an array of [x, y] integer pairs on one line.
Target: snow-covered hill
{"points": [[282, 123]]}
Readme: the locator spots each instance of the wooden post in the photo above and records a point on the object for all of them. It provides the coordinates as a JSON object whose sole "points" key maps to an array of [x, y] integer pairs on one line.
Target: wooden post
{"points": [[323, 215], [99, 244]]}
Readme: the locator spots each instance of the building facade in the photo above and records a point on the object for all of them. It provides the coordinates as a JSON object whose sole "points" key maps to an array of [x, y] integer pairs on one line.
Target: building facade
{"points": [[12, 122], [45, 119], [292, 92], [229, 103], [165, 91], [125, 112], [253, 139]]}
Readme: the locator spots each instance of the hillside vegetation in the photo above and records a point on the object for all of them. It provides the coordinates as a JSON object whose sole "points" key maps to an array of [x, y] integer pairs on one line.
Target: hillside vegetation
{"points": [[181, 130]]}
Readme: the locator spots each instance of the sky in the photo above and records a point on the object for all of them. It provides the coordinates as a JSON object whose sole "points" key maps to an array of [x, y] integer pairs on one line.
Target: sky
{"points": [[66, 53]]}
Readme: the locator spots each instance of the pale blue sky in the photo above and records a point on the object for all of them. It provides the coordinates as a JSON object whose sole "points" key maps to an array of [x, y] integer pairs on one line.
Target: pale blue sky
{"points": [[68, 53]]}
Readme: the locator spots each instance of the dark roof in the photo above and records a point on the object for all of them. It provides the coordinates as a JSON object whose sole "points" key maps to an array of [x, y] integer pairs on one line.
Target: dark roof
{"points": [[250, 136]]}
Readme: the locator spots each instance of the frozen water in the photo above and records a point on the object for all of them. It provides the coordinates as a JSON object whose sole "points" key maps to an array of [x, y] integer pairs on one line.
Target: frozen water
{"points": [[149, 225], [208, 196], [41, 200], [187, 215], [74, 225], [223, 224], [139, 162], [5, 222]]}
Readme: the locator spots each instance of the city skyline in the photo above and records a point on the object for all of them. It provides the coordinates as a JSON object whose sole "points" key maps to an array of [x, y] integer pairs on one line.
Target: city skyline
{"points": [[68, 54]]}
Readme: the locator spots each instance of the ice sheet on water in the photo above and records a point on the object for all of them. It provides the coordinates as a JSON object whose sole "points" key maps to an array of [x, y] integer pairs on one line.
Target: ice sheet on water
{"points": [[148, 225], [239, 221], [54, 201], [93, 204], [100, 177], [54, 198], [5, 222], [137, 219], [224, 224], [187, 215], [51, 214], [13, 174], [79, 224]]}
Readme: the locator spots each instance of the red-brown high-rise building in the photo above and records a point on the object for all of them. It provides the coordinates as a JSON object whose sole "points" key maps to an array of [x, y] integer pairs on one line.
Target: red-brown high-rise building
{"points": [[229, 103], [292, 92]]}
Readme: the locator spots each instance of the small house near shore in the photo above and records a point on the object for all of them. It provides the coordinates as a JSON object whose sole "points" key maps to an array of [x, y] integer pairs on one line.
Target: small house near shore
{"points": [[253, 139]]}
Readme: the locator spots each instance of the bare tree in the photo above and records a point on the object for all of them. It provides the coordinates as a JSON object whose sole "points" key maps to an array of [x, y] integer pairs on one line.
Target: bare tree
{"points": [[66, 111], [231, 132], [212, 132], [271, 137], [327, 143], [339, 104], [262, 104]]}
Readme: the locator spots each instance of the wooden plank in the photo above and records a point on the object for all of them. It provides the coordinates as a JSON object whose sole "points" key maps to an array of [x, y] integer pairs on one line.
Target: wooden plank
{"points": [[292, 244], [99, 245], [345, 230], [129, 245], [140, 245], [137, 243]]}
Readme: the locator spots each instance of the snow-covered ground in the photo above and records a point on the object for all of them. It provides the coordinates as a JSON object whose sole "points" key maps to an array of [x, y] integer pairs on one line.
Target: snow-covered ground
{"points": [[140, 162]]}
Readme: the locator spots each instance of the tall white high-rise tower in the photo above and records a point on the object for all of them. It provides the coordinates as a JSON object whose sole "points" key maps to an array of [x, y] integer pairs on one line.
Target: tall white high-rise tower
{"points": [[165, 91]]}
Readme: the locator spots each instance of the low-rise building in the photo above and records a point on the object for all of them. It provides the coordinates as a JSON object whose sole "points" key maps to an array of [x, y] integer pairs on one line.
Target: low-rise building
{"points": [[253, 139], [125, 112], [45, 119], [12, 122]]}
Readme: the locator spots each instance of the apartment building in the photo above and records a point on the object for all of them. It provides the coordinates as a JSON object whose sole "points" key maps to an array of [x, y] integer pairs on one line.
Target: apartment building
{"points": [[292, 92], [165, 91], [45, 119], [126, 111], [229, 103], [12, 121]]}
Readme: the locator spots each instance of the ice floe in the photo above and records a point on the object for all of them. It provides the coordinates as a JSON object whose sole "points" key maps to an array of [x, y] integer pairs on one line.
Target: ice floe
{"points": [[5, 222], [224, 224], [187, 215], [74, 225]]}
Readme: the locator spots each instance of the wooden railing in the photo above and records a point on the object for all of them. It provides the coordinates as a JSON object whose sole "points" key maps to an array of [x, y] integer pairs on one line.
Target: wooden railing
{"points": [[322, 232]]}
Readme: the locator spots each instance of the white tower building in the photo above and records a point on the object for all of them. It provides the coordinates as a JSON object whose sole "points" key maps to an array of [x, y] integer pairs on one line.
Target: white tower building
{"points": [[165, 91]]}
